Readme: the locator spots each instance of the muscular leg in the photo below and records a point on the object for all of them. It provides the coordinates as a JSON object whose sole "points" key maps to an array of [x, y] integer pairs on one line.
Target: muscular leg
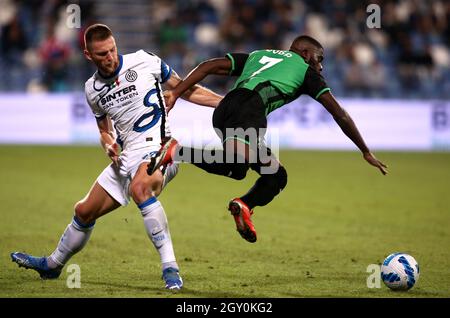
{"points": [[231, 162], [266, 187], [273, 176], [143, 186], [96, 204], [144, 190]]}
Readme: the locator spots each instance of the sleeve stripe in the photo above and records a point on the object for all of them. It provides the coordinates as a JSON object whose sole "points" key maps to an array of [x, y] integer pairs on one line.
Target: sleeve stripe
{"points": [[166, 76], [326, 89], [232, 62], [166, 71]]}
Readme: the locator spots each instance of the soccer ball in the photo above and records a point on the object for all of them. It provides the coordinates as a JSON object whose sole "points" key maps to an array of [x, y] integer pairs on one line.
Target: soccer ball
{"points": [[400, 271]]}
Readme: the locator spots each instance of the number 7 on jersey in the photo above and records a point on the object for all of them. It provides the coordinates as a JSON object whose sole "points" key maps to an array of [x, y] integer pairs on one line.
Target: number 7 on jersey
{"points": [[267, 63]]}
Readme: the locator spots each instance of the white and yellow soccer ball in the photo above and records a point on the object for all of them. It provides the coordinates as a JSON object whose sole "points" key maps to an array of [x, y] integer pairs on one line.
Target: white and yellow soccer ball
{"points": [[400, 271]]}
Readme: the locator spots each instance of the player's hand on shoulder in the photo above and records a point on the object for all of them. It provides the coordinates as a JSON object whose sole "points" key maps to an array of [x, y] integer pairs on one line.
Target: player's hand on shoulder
{"points": [[370, 158]]}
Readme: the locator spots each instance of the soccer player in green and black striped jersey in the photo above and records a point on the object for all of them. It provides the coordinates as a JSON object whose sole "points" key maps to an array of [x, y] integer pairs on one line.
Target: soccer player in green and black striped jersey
{"points": [[268, 79]]}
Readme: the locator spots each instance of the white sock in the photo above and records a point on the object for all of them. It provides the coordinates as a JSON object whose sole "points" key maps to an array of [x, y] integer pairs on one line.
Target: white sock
{"points": [[155, 222], [72, 241], [170, 173]]}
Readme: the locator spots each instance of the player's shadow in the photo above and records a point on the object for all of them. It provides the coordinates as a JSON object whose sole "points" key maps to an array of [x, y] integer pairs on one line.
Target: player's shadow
{"points": [[121, 287], [161, 292]]}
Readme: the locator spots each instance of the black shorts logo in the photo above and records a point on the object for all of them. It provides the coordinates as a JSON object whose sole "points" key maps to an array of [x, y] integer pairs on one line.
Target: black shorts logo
{"points": [[131, 76]]}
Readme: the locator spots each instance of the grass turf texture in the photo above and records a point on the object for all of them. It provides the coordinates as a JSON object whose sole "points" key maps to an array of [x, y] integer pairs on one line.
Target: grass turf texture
{"points": [[316, 239]]}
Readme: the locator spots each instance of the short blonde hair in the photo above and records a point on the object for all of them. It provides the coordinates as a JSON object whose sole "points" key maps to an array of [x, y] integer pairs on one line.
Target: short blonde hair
{"points": [[96, 32]]}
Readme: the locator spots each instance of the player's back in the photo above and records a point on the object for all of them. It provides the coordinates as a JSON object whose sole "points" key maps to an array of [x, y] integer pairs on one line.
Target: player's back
{"points": [[132, 97], [277, 75], [282, 67]]}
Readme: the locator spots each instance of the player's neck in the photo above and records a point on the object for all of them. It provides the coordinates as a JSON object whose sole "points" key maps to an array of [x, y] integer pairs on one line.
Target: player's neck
{"points": [[105, 75], [113, 73]]}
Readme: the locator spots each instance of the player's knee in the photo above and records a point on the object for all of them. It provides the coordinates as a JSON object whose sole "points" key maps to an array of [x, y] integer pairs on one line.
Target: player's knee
{"points": [[141, 191], [138, 191], [281, 177], [239, 171], [84, 213], [277, 181]]}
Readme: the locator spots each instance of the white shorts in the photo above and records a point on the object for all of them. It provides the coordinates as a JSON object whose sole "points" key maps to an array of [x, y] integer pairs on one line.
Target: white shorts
{"points": [[116, 180]]}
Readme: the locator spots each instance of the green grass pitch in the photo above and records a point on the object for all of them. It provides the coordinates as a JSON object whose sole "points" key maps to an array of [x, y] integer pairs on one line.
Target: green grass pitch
{"points": [[316, 239]]}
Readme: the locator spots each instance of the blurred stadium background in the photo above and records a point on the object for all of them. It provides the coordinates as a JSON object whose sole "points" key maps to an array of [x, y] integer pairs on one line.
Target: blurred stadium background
{"points": [[393, 80], [399, 72], [408, 57]]}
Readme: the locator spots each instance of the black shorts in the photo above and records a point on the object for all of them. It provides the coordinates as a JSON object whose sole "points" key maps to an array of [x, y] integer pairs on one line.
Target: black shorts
{"points": [[240, 108]]}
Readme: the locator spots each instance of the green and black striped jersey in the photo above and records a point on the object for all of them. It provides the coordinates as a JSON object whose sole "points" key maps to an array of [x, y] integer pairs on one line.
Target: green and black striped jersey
{"points": [[278, 76]]}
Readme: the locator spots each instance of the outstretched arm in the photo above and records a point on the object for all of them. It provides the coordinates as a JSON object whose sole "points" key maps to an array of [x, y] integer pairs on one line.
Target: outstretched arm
{"points": [[349, 128], [195, 93]]}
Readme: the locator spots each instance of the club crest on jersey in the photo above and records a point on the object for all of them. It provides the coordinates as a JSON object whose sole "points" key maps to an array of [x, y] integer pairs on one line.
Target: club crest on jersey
{"points": [[131, 76]]}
